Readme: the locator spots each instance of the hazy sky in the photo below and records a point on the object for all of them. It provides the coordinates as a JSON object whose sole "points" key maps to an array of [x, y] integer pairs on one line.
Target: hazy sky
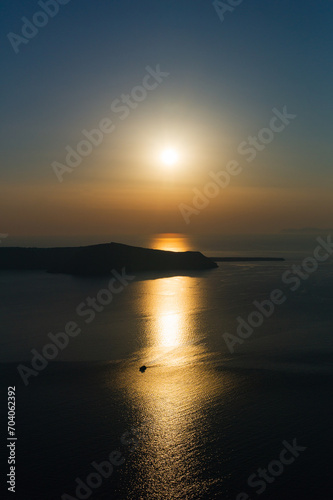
{"points": [[224, 80]]}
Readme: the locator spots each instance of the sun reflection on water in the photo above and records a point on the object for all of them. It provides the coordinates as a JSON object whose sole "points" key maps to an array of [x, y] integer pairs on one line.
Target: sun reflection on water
{"points": [[169, 305], [169, 326], [173, 242], [174, 394]]}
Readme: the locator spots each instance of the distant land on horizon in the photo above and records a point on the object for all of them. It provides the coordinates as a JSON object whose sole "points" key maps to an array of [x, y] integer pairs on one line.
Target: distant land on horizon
{"points": [[306, 230]]}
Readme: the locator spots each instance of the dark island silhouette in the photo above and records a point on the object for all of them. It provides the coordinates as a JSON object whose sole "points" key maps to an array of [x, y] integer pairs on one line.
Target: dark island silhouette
{"points": [[101, 259]]}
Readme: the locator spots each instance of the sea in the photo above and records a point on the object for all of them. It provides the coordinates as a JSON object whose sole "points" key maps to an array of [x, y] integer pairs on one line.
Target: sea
{"points": [[235, 397]]}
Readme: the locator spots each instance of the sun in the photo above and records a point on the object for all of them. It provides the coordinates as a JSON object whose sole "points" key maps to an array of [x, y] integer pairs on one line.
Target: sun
{"points": [[169, 157]]}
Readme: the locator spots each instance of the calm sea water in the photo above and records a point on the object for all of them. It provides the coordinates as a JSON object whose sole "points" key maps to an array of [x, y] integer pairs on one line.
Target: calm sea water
{"points": [[201, 419]]}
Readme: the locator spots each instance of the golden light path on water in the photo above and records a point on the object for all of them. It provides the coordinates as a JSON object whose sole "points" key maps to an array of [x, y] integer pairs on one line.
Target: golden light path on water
{"points": [[172, 396]]}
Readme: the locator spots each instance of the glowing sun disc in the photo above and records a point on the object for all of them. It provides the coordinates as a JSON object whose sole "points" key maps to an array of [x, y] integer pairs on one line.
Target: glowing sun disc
{"points": [[169, 157]]}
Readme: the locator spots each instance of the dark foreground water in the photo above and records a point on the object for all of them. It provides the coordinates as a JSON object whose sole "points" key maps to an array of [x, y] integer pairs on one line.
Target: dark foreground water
{"points": [[191, 432], [201, 420]]}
